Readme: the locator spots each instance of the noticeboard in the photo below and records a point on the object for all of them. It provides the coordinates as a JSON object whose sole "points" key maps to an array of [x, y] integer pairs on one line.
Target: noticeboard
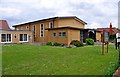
{"points": [[106, 36]]}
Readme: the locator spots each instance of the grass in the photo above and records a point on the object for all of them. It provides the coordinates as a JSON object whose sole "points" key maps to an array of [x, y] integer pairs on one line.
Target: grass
{"points": [[47, 60]]}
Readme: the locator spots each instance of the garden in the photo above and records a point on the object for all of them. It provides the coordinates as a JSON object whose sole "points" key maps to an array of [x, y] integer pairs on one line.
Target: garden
{"points": [[23, 59]]}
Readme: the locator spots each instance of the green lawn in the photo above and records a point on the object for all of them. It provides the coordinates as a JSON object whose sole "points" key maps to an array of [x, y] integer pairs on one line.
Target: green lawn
{"points": [[46, 60]]}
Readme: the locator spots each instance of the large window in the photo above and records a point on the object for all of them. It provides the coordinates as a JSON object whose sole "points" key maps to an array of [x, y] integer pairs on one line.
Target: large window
{"points": [[23, 38], [41, 30], [51, 25], [5, 37]]}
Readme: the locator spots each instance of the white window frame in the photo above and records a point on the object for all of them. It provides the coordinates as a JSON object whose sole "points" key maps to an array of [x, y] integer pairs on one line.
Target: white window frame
{"points": [[50, 24], [23, 38], [6, 38], [41, 30]]}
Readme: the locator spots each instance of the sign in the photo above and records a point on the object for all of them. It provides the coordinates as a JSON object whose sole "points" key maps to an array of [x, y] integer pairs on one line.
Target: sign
{"points": [[105, 39], [117, 35], [106, 36]]}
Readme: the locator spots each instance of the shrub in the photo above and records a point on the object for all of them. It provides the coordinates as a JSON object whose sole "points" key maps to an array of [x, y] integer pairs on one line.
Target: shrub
{"points": [[50, 43], [89, 41], [62, 45], [56, 44], [76, 43]]}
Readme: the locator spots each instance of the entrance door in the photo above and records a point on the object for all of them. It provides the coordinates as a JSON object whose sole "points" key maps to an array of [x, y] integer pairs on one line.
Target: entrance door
{"points": [[92, 35]]}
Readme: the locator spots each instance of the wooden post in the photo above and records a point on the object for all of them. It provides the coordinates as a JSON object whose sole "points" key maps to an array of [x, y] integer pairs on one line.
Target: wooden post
{"points": [[102, 48], [103, 43], [107, 47]]}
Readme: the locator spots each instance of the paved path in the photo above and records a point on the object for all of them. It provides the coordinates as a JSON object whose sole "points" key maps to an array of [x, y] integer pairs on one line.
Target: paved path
{"points": [[117, 73]]}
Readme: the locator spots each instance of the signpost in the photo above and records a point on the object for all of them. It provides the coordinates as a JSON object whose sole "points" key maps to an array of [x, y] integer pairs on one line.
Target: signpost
{"points": [[105, 40]]}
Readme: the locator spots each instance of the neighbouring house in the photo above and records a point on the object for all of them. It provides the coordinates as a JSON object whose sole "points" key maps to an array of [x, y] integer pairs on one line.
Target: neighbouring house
{"points": [[59, 29], [14, 36], [111, 30]]}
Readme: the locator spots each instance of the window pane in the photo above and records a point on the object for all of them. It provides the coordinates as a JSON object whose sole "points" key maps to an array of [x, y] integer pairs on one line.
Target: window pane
{"points": [[51, 24], [64, 34], [3, 37], [42, 30], [8, 37], [54, 34], [25, 37], [41, 35], [21, 37], [60, 33]]}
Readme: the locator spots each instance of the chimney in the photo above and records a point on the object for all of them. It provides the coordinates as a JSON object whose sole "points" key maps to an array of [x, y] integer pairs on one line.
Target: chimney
{"points": [[110, 28]]}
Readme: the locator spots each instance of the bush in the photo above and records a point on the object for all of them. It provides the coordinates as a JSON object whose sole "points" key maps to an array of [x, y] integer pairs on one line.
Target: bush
{"points": [[89, 41], [56, 44], [76, 43], [50, 43]]}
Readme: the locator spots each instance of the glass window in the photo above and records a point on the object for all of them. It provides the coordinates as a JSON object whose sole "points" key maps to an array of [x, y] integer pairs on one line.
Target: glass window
{"points": [[41, 30], [63, 33], [5, 37], [51, 25], [60, 34], [23, 37], [54, 34]]}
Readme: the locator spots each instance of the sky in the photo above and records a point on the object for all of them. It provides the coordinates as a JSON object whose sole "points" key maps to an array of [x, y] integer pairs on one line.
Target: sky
{"points": [[97, 13]]}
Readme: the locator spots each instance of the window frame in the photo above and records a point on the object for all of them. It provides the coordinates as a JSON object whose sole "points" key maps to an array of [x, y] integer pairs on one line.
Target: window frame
{"points": [[23, 38], [51, 26], [61, 34], [6, 38], [41, 30]]}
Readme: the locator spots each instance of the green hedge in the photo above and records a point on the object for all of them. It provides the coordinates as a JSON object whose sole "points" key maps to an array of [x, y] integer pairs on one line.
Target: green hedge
{"points": [[89, 41], [54, 44]]}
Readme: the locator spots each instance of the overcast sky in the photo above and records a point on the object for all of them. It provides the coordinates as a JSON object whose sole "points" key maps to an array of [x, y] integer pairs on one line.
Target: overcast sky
{"points": [[97, 13]]}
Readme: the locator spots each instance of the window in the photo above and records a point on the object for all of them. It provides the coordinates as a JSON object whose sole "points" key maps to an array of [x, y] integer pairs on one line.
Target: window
{"points": [[23, 38], [41, 30], [34, 30], [51, 25], [15, 35], [62, 34], [27, 27], [54, 34], [5, 37]]}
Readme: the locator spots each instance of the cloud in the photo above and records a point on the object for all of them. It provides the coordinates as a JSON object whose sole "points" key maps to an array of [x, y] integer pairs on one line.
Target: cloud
{"points": [[94, 12], [9, 12]]}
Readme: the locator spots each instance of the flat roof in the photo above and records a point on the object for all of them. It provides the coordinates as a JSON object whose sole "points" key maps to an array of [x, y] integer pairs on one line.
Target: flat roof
{"points": [[16, 30], [68, 27]]}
